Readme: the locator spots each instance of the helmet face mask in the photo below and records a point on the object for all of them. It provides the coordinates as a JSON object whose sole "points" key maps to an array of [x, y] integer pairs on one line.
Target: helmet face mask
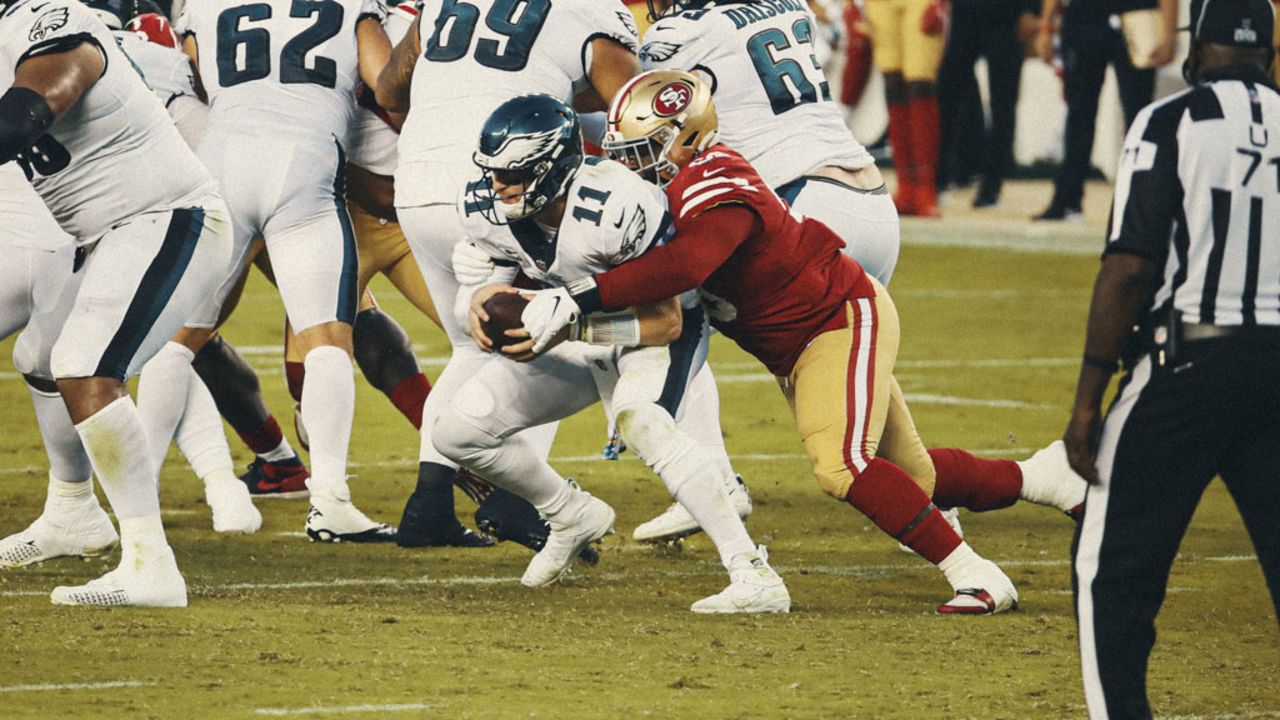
{"points": [[659, 112], [531, 147], [646, 156]]}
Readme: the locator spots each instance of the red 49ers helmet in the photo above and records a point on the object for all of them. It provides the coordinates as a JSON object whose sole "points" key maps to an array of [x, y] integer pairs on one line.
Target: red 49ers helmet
{"points": [[154, 27]]}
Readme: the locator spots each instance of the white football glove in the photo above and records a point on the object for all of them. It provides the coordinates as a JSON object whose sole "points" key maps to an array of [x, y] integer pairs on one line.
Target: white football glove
{"points": [[471, 265], [549, 312]]}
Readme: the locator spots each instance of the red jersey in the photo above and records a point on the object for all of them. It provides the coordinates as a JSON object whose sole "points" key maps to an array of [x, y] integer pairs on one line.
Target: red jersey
{"points": [[772, 289]]}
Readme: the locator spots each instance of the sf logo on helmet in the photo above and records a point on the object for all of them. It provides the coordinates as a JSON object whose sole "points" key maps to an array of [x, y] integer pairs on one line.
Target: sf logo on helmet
{"points": [[671, 99]]}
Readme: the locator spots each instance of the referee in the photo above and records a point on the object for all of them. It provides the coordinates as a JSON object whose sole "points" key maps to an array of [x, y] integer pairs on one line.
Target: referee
{"points": [[1193, 261]]}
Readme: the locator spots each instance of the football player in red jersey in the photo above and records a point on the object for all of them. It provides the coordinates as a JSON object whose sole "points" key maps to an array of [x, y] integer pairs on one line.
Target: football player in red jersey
{"points": [[779, 286]]}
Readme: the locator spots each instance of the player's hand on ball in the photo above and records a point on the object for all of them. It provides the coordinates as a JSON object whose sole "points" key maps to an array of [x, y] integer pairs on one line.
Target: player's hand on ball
{"points": [[471, 265], [549, 312], [480, 317]]}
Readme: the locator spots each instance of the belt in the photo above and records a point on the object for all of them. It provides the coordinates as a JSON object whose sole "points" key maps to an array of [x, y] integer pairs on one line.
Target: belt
{"points": [[1200, 331]]}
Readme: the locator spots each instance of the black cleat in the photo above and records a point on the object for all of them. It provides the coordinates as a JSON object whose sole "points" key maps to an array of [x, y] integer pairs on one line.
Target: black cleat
{"points": [[424, 525], [507, 516]]}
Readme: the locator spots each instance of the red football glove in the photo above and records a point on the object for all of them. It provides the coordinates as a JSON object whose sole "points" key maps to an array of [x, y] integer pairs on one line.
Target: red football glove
{"points": [[935, 18]]}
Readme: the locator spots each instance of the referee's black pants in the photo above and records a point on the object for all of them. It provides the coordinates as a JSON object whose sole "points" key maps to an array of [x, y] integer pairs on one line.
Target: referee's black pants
{"points": [[1214, 411], [1087, 49]]}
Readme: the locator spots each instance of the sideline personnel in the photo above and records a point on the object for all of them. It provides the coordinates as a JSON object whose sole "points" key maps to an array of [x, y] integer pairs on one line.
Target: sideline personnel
{"points": [[1193, 260]]}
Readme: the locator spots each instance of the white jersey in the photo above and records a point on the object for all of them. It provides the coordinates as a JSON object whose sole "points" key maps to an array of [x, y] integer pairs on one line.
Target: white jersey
{"points": [[477, 55], [24, 220], [612, 216], [115, 154], [166, 70], [772, 99], [285, 66], [373, 140]]}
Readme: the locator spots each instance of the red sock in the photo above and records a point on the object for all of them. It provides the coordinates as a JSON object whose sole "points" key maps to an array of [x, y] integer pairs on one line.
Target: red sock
{"points": [[925, 138], [903, 156], [294, 375], [974, 483], [408, 396], [896, 504], [264, 439]]}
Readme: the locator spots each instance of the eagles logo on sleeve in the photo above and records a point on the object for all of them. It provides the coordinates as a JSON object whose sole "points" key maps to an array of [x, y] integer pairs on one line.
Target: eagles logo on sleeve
{"points": [[50, 22], [628, 21], [658, 51]]}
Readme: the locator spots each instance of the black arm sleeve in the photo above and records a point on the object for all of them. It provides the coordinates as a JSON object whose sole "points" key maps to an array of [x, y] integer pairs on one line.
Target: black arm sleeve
{"points": [[24, 118]]}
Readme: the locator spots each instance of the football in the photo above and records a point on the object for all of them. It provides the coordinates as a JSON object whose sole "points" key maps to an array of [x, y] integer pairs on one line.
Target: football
{"points": [[504, 311]]}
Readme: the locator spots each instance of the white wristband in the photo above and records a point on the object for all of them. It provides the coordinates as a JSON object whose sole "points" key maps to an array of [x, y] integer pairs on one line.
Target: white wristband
{"points": [[619, 328]]}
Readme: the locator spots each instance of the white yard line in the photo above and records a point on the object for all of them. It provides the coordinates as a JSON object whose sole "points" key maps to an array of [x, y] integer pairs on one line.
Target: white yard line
{"points": [[76, 686], [341, 709], [480, 580]]}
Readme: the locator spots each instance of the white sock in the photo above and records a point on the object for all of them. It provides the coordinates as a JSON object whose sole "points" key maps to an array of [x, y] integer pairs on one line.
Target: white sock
{"points": [[68, 498], [162, 395], [328, 409], [960, 566], [141, 539], [688, 470], [67, 459], [118, 447], [283, 451], [200, 435]]}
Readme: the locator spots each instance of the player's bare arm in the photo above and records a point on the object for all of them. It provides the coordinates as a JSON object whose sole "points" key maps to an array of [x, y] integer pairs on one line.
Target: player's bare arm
{"points": [[1123, 288], [44, 88], [612, 65], [392, 86], [374, 50]]}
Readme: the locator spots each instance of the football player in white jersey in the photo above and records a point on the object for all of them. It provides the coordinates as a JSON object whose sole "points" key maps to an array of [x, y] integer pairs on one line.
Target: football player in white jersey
{"points": [[37, 284], [290, 66], [152, 234], [776, 109], [543, 209], [152, 47], [458, 62]]}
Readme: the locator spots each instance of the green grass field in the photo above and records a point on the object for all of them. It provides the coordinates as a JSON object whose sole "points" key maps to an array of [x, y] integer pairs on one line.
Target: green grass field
{"points": [[992, 315]]}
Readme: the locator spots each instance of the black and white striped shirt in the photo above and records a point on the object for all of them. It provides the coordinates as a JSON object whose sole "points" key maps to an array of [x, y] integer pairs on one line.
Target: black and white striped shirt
{"points": [[1198, 193]]}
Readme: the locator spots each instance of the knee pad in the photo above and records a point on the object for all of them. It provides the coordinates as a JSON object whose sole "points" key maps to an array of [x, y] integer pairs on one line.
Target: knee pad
{"points": [[32, 357], [646, 428], [459, 440], [835, 479]]}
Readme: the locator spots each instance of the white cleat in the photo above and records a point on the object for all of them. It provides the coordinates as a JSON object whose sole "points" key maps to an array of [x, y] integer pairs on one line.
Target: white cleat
{"points": [[953, 519], [675, 522], [986, 591], [231, 504], [338, 520], [1047, 479], [754, 587], [155, 582], [572, 529], [84, 531]]}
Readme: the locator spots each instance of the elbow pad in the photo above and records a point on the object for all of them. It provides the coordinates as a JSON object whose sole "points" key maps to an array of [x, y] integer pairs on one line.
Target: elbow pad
{"points": [[24, 118]]}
